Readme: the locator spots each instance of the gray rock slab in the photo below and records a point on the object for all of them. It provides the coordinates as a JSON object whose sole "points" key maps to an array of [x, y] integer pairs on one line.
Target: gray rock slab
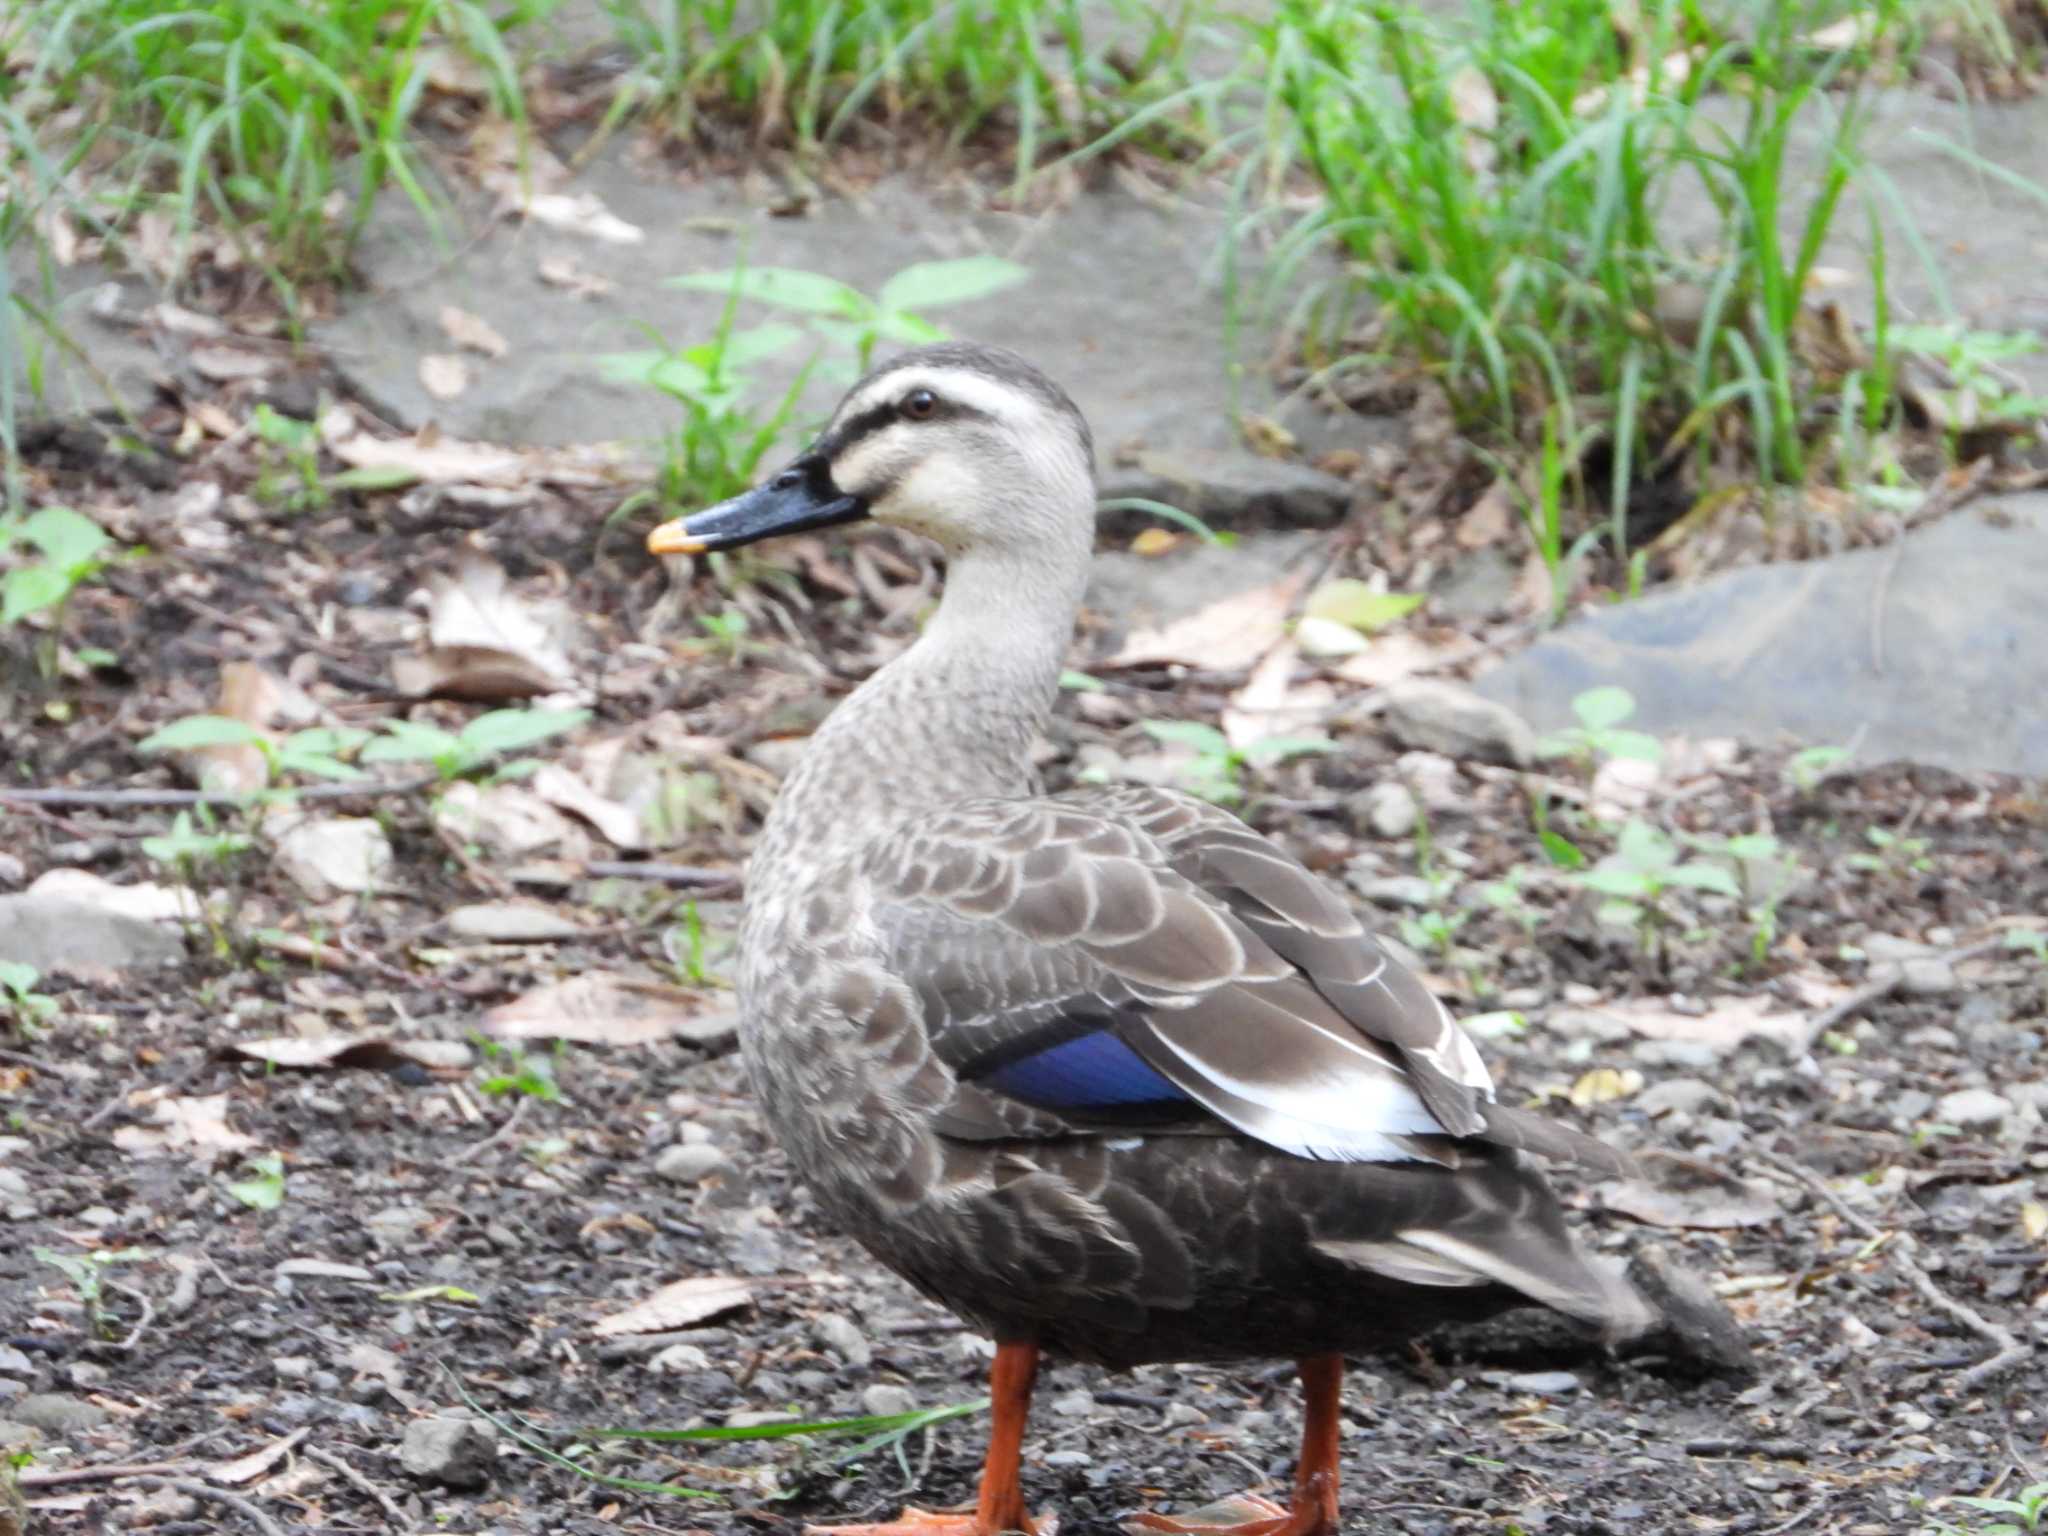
{"points": [[59, 936], [1792, 650]]}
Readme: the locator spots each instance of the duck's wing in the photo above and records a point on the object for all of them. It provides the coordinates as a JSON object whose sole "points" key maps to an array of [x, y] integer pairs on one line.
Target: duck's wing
{"points": [[1112, 961]]}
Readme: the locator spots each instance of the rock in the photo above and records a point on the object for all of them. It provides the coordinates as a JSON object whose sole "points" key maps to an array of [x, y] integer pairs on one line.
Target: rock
{"points": [[1388, 809], [681, 1360], [1679, 1095], [12, 871], [886, 1397], [1450, 718], [754, 1418], [1973, 1109], [1396, 890], [452, 1450], [689, 1162], [59, 936], [14, 1363], [1786, 650], [843, 1338], [511, 922], [16, 1436], [335, 856], [58, 1413], [1073, 1405], [1927, 977], [1547, 1383], [1069, 1459], [1227, 488]]}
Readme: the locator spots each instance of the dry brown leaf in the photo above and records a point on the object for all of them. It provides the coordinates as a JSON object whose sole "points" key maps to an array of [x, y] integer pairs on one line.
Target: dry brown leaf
{"points": [[680, 1304], [443, 375], [256, 697], [377, 1053], [472, 331], [435, 459], [598, 1008], [1724, 1026], [561, 272], [1750, 1205], [1272, 704], [197, 1125], [485, 643], [1403, 654], [1226, 636], [246, 1469], [581, 213], [1491, 519], [225, 364], [562, 789]]}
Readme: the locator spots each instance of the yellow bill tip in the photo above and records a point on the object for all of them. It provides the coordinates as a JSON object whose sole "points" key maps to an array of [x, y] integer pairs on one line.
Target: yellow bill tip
{"points": [[673, 539]]}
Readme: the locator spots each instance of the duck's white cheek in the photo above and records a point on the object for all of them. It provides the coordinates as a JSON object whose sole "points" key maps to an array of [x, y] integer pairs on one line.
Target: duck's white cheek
{"points": [[937, 497]]}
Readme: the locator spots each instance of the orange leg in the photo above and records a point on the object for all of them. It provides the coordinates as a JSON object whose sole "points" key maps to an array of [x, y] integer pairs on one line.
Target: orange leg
{"points": [[1314, 1512], [1000, 1506]]}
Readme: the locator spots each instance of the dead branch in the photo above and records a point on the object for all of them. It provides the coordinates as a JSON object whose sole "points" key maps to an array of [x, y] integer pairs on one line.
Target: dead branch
{"points": [[213, 799], [1884, 983]]}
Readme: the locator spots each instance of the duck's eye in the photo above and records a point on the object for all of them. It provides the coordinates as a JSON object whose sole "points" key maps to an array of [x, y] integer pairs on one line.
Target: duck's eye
{"points": [[920, 405]]}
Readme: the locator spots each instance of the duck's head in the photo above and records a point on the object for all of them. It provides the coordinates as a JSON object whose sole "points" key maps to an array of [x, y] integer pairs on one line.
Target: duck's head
{"points": [[970, 446]]}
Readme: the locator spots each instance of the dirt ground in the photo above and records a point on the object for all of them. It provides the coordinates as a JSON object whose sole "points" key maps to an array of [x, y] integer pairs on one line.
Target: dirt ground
{"points": [[319, 1329]]}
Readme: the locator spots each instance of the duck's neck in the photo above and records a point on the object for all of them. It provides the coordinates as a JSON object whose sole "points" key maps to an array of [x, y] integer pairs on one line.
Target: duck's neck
{"points": [[952, 718]]}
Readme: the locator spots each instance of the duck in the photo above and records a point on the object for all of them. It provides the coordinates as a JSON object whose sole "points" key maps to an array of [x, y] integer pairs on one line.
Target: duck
{"points": [[1106, 1072]]}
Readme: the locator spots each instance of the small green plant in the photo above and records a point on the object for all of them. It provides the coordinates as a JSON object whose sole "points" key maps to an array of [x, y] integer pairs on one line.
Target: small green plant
{"points": [[315, 753], [262, 1187], [2026, 1514], [290, 478], [1599, 733], [1217, 769], [1508, 896], [685, 944], [189, 849], [458, 754], [850, 320], [31, 1010], [1981, 391], [1766, 871], [1639, 878], [1806, 768], [87, 1275], [72, 550], [1894, 855], [727, 629], [515, 1072], [2029, 941]]}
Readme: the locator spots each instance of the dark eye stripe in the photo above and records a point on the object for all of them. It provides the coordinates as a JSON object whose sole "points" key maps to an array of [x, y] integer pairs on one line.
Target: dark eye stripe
{"points": [[876, 417]]}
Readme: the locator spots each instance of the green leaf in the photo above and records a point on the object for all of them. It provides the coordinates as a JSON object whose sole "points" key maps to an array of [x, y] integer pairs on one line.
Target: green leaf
{"points": [[507, 730], [410, 743], [1705, 877], [1642, 846], [1278, 748], [31, 588], [372, 477], [1638, 745], [66, 539], [1350, 601], [1205, 739], [1081, 682], [18, 976], [430, 1293], [1609, 880], [1562, 852], [907, 330], [743, 349], [195, 731], [1619, 914], [264, 1189], [1600, 708], [935, 284], [809, 293]]}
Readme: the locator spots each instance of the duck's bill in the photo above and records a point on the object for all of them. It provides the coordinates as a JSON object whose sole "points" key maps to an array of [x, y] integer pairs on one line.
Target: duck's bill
{"points": [[762, 513]]}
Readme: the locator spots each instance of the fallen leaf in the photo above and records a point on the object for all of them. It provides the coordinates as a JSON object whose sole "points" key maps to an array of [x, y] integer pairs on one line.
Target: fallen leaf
{"points": [[1393, 658], [561, 272], [1228, 635], [1270, 704], [1724, 1026], [472, 331], [246, 1469], [563, 790], [443, 375], [598, 1008], [1490, 519], [434, 459], [335, 1053], [197, 1125], [680, 1304], [578, 214], [484, 642], [1153, 542], [1705, 1210], [1360, 605], [1603, 1085]]}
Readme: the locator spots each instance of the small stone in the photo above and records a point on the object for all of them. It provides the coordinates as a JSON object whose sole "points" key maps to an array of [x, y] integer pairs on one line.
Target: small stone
{"points": [[1069, 1459], [1178, 1414], [1973, 1109], [1678, 1095], [844, 1339], [16, 1436], [1913, 1420], [12, 871], [1397, 890], [886, 1398], [688, 1162], [1450, 718], [681, 1360], [292, 1367], [59, 936], [754, 1418], [57, 1413], [511, 922], [14, 1363], [1073, 1405], [1927, 977], [337, 855], [453, 1451], [1546, 1383], [1388, 809]]}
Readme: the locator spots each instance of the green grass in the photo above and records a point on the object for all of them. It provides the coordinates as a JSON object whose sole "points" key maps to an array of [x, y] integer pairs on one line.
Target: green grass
{"points": [[280, 121], [1499, 187], [1056, 73]]}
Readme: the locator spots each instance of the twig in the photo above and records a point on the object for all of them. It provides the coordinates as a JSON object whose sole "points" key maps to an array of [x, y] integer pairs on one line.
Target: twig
{"points": [[385, 1502], [70, 1476], [144, 799], [2009, 1351], [241, 1506], [1885, 982], [477, 1149], [672, 874]]}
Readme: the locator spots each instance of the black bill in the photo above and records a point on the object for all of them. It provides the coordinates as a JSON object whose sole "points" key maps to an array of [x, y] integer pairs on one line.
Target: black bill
{"points": [[802, 497]]}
